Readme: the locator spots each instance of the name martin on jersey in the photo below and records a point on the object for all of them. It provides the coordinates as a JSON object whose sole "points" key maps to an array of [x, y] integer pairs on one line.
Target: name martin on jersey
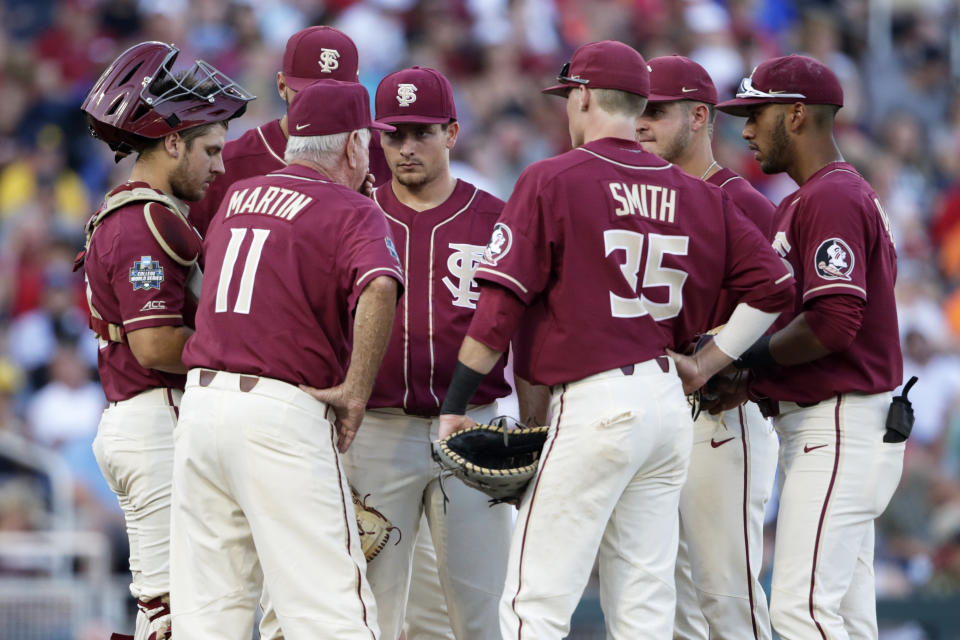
{"points": [[645, 200], [271, 201]]}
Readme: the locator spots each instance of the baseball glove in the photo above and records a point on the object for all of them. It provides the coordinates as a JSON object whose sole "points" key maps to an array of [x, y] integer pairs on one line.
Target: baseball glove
{"points": [[373, 526], [492, 458]]}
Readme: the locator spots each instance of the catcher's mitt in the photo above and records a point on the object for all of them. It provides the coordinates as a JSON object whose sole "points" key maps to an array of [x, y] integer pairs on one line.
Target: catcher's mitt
{"points": [[491, 458], [373, 526]]}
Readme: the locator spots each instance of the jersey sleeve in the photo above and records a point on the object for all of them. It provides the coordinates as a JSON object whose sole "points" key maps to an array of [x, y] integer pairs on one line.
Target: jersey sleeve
{"points": [[753, 271], [834, 245], [148, 283], [518, 255], [367, 252]]}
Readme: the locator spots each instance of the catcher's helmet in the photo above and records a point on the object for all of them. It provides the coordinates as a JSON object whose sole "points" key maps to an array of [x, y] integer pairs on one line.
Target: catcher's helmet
{"points": [[138, 97]]}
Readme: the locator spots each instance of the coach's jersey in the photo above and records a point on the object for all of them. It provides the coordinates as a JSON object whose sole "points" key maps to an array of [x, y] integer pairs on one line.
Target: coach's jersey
{"points": [[755, 206], [611, 248], [835, 237], [439, 249], [288, 255], [132, 282], [258, 152]]}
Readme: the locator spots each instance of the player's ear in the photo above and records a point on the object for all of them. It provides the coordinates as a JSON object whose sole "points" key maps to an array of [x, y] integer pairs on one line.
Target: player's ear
{"points": [[172, 143], [282, 86], [797, 116], [453, 129], [699, 116], [583, 95]]}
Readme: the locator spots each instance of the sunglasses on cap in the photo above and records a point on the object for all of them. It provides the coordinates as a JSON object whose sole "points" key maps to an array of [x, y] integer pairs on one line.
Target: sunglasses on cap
{"points": [[746, 90], [564, 77]]}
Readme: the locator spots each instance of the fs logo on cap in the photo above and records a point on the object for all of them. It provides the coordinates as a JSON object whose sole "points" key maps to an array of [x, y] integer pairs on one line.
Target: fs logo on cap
{"points": [[406, 94], [329, 60]]}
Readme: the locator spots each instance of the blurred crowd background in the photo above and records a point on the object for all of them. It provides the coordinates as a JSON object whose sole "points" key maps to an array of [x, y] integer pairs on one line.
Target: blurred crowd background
{"points": [[899, 61]]}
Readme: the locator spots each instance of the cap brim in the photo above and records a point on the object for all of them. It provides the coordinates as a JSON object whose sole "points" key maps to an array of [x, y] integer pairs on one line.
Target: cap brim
{"points": [[559, 89], [299, 84], [741, 106], [415, 119], [659, 97], [381, 126]]}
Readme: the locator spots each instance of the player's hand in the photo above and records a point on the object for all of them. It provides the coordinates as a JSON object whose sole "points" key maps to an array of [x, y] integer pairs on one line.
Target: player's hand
{"points": [[724, 392], [367, 187], [689, 370], [346, 406], [450, 424]]}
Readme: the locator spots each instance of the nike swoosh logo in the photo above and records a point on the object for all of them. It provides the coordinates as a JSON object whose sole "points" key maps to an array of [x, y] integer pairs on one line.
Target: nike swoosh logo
{"points": [[715, 444], [302, 126], [685, 90], [807, 448]]}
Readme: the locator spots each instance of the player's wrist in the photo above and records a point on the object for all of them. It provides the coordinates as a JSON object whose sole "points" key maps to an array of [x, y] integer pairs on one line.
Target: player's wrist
{"points": [[463, 385], [757, 356]]}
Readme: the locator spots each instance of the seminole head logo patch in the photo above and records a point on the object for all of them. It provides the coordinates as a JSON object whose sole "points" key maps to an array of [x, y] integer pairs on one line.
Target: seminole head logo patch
{"points": [[834, 260], [500, 242]]}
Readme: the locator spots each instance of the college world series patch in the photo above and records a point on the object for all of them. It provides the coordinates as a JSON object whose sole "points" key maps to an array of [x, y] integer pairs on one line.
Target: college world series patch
{"points": [[146, 273], [834, 260]]}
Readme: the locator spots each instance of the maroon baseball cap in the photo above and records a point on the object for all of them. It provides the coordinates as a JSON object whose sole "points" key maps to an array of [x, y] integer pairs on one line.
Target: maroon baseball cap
{"points": [[417, 94], [604, 65], [318, 53], [330, 106], [678, 78], [786, 79]]}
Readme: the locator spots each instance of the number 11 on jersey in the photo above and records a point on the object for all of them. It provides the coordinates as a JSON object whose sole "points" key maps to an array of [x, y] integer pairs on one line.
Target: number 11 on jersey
{"points": [[249, 275]]}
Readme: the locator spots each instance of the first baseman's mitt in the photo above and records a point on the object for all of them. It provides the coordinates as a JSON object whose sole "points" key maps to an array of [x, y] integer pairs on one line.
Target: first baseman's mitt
{"points": [[491, 458], [373, 526]]}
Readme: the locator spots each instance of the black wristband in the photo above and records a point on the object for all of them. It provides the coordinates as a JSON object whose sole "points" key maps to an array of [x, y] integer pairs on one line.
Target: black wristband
{"points": [[463, 385], [758, 356]]}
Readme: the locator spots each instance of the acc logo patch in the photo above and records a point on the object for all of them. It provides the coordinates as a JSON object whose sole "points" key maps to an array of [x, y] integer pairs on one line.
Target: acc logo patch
{"points": [[500, 242], [834, 260], [146, 274], [392, 249], [406, 94], [329, 60]]}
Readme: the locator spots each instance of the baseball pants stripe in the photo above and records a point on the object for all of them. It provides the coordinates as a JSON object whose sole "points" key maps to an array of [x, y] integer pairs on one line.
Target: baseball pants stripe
{"points": [[722, 506], [134, 450], [259, 498], [608, 486], [838, 476]]}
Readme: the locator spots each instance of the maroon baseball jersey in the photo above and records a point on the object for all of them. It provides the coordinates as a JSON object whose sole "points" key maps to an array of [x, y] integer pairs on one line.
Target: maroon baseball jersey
{"points": [[836, 238], [611, 248], [755, 206], [258, 152], [132, 282], [287, 257], [439, 249]]}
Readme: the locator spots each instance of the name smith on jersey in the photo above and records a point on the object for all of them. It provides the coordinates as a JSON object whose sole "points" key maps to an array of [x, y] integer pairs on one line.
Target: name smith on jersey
{"points": [[646, 200]]}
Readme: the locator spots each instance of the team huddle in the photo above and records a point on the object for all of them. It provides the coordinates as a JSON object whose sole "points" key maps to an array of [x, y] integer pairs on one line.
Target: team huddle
{"points": [[293, 317]]}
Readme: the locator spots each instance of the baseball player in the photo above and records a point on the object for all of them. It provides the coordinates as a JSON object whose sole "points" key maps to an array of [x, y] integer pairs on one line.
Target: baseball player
{"points": [[259, 491], [721, 526], [826, 374], [314, 53], [139, 254], [441, 225], [596, 255]]}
